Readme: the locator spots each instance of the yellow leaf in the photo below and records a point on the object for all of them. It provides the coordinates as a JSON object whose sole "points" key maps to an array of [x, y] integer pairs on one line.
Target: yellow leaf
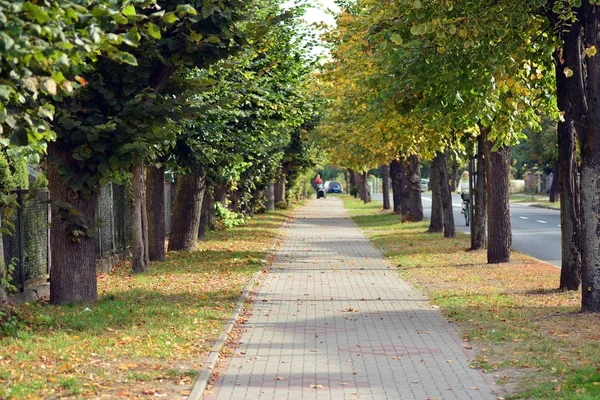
{"points": [[568, 72], [590, 51]]}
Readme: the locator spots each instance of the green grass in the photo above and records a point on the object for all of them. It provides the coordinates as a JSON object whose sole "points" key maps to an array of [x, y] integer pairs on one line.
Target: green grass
{"points": [[526, 333], [155, 327], [541, 200]]}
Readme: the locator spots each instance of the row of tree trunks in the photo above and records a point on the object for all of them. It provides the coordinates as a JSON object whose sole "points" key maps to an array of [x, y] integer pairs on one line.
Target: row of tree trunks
{"points": [[478, 193], [385, 186], [73, 260], [187, 212], [155, 204]]}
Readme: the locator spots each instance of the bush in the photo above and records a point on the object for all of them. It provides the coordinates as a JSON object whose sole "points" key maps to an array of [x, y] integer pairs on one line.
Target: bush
{"points": [[354, 191], [226, 218], [281, 205]]}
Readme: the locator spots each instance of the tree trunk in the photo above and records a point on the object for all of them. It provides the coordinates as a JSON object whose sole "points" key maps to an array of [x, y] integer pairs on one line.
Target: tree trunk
{"points": [[554, 186], [139, 220], [405, 197], [347, 181], [3, 276], [186, 212], [446, 198], [479, 192], [453, 174], [396, 173], [436, 222], [270, 194], [73, 259], [366, 189], [565, 171], [207, 217], [385, 186], [499, 229], [590, 170], [413, 184], [155, 204], [280, 186]]}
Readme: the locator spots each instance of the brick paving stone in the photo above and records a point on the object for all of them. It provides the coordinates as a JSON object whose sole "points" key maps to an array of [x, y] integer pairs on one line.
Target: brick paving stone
{"points": [[333, 320]]}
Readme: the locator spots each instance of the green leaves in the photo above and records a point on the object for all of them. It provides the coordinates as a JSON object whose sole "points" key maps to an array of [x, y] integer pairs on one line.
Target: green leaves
{"points": [[170, 18], [154, 31]]}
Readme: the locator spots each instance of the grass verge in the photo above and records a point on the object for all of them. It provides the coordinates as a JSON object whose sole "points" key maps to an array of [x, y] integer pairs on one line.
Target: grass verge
{"points": [[148, 334], [538, 200], [527, 334]]}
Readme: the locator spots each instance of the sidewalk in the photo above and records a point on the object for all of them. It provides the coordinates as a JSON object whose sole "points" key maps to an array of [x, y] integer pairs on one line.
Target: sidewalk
{"points": [[334, 321]]}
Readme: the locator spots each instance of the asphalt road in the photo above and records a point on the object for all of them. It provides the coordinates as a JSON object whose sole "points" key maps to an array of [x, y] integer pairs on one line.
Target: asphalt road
{"points": [[536, 231]]}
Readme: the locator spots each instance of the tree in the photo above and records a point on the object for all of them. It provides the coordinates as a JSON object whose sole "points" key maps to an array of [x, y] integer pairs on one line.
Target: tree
{"points": [[121, 117]]}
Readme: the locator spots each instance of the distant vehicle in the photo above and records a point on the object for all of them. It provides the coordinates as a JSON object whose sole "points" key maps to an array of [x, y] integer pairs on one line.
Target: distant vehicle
{"points": [[424, 185], [334, 187], [320, 191]]}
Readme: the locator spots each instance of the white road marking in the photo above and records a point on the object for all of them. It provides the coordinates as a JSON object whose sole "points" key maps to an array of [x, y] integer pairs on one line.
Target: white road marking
{"points": [[541, 222], [524, 217]]}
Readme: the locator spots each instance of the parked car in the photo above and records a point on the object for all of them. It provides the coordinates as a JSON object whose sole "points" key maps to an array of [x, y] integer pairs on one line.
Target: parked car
{"points": [[334, 187], [424, 185]]}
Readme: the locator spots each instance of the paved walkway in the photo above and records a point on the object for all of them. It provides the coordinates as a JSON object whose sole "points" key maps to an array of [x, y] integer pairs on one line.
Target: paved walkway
{"points": [[334, 321]]}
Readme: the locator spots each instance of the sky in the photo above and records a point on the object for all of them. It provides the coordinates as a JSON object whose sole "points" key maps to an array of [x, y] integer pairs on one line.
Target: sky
{"points": [[318, 13]]}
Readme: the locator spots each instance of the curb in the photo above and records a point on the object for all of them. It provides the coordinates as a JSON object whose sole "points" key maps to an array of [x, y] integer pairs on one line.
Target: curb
{"points": [[211, 361], [204, 377]]}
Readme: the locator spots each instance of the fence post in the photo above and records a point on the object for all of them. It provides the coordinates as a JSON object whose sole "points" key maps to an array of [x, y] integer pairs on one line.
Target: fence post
{"points": [[49, 224], [113, 246], [21, 238]]}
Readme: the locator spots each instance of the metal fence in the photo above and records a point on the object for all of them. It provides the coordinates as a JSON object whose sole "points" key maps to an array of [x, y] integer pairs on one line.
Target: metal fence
{"points": [[28, 244]]}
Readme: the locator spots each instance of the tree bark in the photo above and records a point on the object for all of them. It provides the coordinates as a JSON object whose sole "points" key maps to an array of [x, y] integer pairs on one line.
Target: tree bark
{"points": [[565, 172], [186, 212], [3, 275], [413, 185], [139, 220], [73, 260], [363, 187], [499, 228], [479, 192], [385, 186], [270, 194], [207, 217], [453, 174], [280, 186], [590, 168], [554, 186], [367, 190], [436, 222], [396, 174], [446, 198], [155, 204]]}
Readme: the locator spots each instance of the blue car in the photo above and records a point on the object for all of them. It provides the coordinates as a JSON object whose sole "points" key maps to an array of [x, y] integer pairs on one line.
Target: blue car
{"points": [[334, 187]]}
